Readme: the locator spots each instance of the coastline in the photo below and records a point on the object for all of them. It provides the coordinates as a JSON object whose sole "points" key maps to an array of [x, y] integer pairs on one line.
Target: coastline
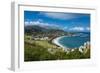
{"points": [[56, 41]]}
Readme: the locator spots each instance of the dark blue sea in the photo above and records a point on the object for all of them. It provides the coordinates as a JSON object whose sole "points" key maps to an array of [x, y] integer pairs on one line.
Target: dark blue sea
{"points": [[75, 41]]}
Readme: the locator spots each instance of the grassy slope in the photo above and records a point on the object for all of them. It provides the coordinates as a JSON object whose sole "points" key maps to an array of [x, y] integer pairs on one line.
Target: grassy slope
{"points": [[38, 51]]}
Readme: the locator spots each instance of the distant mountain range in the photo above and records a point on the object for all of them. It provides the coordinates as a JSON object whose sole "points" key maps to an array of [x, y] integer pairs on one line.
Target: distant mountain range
{"points": [[37, 29], [30, 29]]}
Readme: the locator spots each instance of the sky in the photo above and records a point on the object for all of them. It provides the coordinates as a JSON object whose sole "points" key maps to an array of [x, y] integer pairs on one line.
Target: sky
{"points": [[65, 21]]}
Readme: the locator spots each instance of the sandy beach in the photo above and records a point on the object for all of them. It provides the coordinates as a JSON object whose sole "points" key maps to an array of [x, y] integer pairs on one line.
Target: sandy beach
{"points": [[56, 41]]}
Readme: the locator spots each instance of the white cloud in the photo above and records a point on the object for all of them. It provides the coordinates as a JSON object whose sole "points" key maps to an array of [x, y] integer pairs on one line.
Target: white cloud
{"points": [[40, 23], [60, 15], [26, 22], [88, 28], [65, 28], [77, 29], [32, 22], [44, 24], [35, 23]]}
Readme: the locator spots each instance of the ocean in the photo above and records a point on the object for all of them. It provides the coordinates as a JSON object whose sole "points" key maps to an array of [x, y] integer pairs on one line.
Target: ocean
{"points": [[74, 41]]}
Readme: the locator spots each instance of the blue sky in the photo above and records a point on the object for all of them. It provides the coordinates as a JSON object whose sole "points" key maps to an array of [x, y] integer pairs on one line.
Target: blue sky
{"points": [[64, 21]]}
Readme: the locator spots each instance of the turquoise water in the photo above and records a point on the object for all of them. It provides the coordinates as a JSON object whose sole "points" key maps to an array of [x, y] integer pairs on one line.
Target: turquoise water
{"points": [[74, 41]]}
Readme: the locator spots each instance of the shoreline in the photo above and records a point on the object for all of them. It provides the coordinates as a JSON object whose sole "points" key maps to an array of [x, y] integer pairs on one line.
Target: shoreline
{"points": [[56, 41]]}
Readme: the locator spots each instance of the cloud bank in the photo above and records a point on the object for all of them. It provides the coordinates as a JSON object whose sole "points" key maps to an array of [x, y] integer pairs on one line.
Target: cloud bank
{"points": [[40, 23], [79, 28]]}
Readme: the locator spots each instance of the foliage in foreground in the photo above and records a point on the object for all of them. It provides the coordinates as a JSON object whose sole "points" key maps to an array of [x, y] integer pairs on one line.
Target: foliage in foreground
{"points": [[34, 52]]}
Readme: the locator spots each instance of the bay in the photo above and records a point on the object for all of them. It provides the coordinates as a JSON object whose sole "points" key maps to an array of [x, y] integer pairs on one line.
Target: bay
{"points": [[74, 41]]}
